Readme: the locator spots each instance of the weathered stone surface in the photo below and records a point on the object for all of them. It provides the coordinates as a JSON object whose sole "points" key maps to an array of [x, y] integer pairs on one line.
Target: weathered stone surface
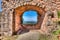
{"points": [[29, 36], [9, 6], [35, 36]]}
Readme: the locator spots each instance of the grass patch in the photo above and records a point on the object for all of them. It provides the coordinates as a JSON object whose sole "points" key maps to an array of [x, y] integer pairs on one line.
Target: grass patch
{"points": [[58, 14], [10, 37]]}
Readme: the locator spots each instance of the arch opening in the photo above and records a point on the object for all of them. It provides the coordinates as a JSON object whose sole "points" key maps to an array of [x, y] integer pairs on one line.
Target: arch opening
{"points": [[24, 16], [30, 17]]}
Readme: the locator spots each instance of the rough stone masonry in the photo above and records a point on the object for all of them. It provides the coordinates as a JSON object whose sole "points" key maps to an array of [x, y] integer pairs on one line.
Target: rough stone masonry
{"points": [[9, 6]]}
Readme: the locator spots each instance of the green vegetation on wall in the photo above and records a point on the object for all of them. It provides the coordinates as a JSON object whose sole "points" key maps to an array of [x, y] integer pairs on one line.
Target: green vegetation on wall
{"points": [[57, 32], [58, 14]]}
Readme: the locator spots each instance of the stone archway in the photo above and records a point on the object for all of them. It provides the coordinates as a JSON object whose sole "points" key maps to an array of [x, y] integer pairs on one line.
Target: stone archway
{"points": [[9, 6], [18, 17]]}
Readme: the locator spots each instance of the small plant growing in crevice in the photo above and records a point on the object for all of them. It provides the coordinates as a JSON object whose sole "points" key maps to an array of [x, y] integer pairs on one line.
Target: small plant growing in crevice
{"points": [[58, 22], [56, 32], [58, 12]]}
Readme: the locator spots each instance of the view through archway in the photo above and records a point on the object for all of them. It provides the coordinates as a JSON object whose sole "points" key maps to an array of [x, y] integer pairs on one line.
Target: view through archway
{"points": [[30, 17]]}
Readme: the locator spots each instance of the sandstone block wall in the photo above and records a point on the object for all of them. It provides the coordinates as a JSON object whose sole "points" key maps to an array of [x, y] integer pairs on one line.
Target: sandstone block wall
{"points": [[9, 6]]}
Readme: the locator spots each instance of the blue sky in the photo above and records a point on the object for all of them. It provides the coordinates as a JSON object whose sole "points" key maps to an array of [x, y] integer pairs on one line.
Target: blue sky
{"points": [[30, 16], [0, 6]]}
